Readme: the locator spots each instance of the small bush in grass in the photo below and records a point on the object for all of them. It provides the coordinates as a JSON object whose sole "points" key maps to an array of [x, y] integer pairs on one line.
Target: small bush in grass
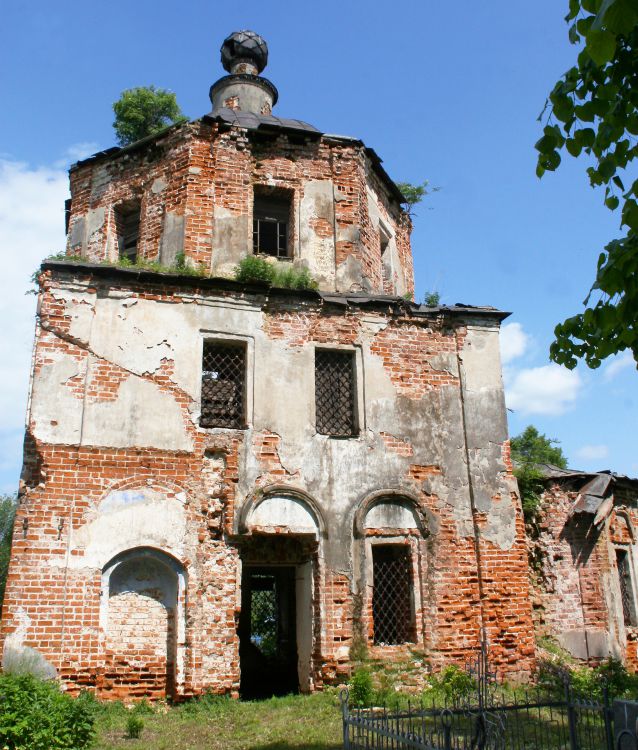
{"points": [[361, 687], [134, 726], [453, 683], [35, 714]]}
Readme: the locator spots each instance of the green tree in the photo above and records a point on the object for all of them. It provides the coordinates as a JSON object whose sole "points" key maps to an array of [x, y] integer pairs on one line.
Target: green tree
{"points": [[414, 194], [529, 450], [144, 111], [593, 109], [7, 516]]}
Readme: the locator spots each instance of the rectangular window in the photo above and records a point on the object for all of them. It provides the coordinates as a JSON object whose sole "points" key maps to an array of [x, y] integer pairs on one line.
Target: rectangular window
{"points": [[335, 392], [127, 228], [223, 384], [391, 600], [271, 221], [626, 587]]}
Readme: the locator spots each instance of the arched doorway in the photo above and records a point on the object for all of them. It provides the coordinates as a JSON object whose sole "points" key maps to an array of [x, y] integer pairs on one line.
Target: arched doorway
{"points": [[279, 613], [141, 607]]}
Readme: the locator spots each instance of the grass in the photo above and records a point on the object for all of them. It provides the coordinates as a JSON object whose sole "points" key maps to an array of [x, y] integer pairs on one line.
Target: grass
{"points": [[300, 722]]}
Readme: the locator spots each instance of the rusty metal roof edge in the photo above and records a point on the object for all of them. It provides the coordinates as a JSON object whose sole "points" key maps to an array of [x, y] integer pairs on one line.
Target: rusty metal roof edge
{"points": [[555, 472]]}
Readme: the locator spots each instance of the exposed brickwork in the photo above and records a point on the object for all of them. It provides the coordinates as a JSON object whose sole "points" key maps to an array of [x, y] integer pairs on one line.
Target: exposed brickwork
{"points": [[574, 575], [118, 471]]}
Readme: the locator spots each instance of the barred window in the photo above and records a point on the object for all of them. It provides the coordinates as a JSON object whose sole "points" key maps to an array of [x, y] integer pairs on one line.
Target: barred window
{"points": [[391, 600], [223, 378], [335, 392], [127, 229], [626, 587]]}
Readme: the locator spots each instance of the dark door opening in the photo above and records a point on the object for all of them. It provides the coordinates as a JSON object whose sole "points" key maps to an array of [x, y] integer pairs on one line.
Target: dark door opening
{"points": [[268, 632]]}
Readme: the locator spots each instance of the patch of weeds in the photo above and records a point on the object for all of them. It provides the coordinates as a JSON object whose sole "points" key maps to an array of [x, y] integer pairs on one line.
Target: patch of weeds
{"points": [[134, 726], [293, 278], [255, 269], [361, 690], [452, 683], [431, 299]]}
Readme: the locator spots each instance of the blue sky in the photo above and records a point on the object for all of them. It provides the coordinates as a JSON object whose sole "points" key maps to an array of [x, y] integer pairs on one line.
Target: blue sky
{"points": [[448, 92]]}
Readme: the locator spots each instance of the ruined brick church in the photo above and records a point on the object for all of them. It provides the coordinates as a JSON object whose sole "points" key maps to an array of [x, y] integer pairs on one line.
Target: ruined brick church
{"points": [[229, 485]]}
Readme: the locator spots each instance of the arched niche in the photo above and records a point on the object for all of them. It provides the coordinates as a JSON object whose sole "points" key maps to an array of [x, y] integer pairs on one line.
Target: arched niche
{"points": [[283, 509], [388, 509], [142, 619]]}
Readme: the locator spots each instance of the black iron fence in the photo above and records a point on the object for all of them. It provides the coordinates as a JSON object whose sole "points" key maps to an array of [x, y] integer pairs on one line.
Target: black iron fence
{"points": [[492, 718], [534, 722]]}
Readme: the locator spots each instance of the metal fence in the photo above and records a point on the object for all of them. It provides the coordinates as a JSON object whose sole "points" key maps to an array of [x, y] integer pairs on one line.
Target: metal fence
{"points": [[534, 723], [491, 719]]}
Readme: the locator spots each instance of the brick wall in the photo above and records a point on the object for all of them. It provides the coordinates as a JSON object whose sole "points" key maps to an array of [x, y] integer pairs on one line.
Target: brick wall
{"points": [[82, 504], [204, 178]]}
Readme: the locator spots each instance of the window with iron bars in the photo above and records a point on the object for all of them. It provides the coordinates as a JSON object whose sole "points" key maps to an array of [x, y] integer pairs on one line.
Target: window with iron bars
{"points": [[271, 220], [626, 587], [223, 384], [335, 392], [391, 594]]}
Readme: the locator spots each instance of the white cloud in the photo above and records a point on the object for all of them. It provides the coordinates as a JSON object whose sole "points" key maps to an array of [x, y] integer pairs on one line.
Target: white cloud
{"points": [[622, 362], [549, 389], [514, 342], [592, 452], [76, 152], [31, 227]]}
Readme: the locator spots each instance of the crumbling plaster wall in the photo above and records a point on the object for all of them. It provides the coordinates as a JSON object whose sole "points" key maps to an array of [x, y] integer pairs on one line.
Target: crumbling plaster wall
{"points": [[125, 361]]}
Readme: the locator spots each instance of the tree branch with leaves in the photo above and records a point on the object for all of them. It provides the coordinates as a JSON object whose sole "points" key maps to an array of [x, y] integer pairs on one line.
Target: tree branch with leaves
{"points": [[593, 110]]}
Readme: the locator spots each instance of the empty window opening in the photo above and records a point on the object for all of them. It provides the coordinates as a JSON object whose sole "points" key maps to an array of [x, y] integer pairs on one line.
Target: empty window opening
{"points": [[127, 228], [272, 210], [335, 392], [391, 597], [223, 379], [626, 587]]}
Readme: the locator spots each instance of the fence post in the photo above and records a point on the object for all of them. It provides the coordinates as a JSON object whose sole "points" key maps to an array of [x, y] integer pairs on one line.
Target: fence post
{"points": [[446, 721], [343, 697], [607, 713], [571, 716]]}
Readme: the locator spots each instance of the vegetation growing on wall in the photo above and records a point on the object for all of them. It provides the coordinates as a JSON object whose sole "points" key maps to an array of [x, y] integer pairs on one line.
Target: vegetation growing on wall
{"points": [[144, 111], [255, 269], [530, 449]]}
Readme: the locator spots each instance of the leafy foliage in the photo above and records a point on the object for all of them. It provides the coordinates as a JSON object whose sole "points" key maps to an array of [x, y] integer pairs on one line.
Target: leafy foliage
{"points": [[431, 299], [414, 194], [144, 111], [529, 449], [256, 269], [134, 726], [7, 515], [453, 683], [361, 691], [593, 109], [590, 682], [35, 714]]}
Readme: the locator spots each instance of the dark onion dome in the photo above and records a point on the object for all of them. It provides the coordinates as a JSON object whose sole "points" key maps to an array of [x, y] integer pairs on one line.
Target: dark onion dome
{"points": [[243, 46]]}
